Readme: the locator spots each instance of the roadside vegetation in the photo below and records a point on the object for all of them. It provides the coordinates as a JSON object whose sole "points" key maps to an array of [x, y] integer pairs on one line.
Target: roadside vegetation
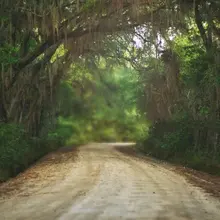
{"points": [[144, 71], [86, 109]]}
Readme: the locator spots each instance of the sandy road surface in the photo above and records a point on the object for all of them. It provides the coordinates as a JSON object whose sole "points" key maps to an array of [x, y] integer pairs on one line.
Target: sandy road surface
{"points": [[102, 183]]}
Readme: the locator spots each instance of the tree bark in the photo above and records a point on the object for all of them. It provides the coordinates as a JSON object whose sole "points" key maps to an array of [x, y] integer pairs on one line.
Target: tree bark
{"points": [[202, 31]]}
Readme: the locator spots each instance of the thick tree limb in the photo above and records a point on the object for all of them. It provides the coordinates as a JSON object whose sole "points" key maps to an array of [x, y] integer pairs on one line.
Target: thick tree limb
{"points": [[200, 26]]}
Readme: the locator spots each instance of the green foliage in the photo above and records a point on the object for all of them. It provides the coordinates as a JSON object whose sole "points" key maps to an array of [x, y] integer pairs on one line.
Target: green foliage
{"points": [[15, 150], [68, 101], [89, 4], [99, 104], [189, 133], [18, 150], [13, 146], [8, 54], [97, 99], [175, 141]]}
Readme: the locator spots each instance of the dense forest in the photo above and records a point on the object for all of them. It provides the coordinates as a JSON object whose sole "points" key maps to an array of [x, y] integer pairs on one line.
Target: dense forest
{"points": [[77, 71]]}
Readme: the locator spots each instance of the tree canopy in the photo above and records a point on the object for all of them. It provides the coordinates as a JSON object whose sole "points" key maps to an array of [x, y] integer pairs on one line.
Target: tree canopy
{"points": [[76, 53]]}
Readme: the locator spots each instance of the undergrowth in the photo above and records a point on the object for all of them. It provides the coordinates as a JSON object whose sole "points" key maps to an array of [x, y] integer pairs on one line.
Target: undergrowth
{"points": [[173, 141], [18, 150]]}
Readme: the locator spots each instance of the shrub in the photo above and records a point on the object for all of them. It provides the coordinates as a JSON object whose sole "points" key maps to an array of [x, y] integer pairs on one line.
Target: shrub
{"points": [[18, 150], [14, 149], [174, 141]]}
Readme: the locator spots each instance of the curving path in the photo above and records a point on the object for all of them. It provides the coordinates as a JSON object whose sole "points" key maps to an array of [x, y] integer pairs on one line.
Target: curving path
{"points": [[99, 184]]}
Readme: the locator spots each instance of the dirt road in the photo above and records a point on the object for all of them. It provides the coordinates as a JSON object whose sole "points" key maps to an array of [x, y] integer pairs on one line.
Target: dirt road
{"points": [[99, 183]]}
